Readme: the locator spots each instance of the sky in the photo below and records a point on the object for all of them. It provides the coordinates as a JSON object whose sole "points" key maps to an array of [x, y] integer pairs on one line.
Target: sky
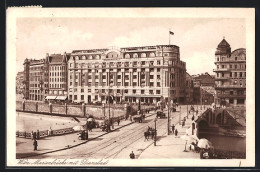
{"points": [[197, 37]]}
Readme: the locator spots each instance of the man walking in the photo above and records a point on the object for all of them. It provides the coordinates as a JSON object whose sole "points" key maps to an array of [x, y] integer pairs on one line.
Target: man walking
{"points": [[173, 127], [35, 144], [176, 132], [118, 121]]}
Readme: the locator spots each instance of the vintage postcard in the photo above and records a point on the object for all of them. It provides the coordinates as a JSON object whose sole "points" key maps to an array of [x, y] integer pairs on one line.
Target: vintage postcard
{"points": [[136, 87]]}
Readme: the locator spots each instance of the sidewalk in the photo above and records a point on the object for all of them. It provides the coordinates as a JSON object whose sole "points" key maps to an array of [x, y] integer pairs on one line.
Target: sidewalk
{"points": [[171, 146], [24, 147]]}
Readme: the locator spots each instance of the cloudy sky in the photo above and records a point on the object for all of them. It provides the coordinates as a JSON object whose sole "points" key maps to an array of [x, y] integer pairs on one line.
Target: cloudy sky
{"points": [[197, 38]]}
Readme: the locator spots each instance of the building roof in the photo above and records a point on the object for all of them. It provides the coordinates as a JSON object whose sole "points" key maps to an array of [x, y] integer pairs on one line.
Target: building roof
{"points": [[57, 58], [223, 43]]}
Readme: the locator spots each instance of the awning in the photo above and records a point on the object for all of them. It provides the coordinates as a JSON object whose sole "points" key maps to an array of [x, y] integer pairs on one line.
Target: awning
{"points": [[50, 97], [61, 98]]}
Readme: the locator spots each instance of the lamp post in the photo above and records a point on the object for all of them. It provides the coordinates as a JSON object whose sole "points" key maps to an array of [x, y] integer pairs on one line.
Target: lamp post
{"points": [[155, 134], [180, 116]]}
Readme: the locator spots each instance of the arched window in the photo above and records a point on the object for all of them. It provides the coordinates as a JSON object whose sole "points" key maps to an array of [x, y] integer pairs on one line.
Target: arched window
{"points": [[90, 57], [97, 57], [152, 55], [135, 55], [77, 58], [143, 55], [235, 58], [83, 57], [127, 56]]}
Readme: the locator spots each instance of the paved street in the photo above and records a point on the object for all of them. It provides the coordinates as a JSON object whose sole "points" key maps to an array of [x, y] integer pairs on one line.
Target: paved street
{"points": [[118, 144]]}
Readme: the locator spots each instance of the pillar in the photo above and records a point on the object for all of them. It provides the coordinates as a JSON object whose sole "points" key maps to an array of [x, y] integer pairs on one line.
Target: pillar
{"points": [[23, 105], [235, 102], [66, 108], [83, 109], [36, 106], [125, 109], [50, 108]]}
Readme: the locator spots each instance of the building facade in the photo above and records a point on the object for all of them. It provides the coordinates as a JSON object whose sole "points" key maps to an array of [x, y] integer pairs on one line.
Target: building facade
{"points": [[33, 79], [230, 74], [147, 74], [189, 88], [56, 76], [19, 82]]}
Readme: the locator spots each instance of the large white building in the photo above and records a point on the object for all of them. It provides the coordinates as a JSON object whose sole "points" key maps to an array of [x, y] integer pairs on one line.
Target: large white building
{"points": [[147, 74]]}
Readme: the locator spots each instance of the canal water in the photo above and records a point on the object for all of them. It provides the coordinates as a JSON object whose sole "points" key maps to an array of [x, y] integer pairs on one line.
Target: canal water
{"points": [[228, 143]]}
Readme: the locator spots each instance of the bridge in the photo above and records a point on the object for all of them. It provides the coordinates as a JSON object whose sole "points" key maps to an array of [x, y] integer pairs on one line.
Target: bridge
{"points": [[222, 121]]}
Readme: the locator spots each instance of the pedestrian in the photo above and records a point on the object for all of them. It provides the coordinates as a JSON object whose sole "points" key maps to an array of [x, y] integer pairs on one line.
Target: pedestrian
{"points": [[130, 116], [173, 127], [132, 155], [32, 135], [118, 121], [38, 135], [192, 118], [176, 132], [35, 144]]}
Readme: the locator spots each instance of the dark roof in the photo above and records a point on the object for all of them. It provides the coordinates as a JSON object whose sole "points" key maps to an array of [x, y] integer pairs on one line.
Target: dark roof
{"points": [[223, 43], [56, 58]]}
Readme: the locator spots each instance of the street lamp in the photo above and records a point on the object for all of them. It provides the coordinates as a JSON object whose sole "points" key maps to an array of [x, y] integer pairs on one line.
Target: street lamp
{"points": [[155, 131]]}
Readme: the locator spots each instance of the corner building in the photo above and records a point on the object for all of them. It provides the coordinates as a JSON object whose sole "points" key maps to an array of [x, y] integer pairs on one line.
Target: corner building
{"points": [[230, 75], [131, 74]]}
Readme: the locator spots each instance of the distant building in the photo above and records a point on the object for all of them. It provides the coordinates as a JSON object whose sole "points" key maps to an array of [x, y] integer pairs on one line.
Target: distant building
{"points": [[46, 79], [148, 74], [19, 82], [204, 80], [230, 74], [33, 79], [204, 87], [56, 80], [189, 88]]}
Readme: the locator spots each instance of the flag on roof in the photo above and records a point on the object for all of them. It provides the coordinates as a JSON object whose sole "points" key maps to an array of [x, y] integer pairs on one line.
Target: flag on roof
{"points": [[171, 33]]}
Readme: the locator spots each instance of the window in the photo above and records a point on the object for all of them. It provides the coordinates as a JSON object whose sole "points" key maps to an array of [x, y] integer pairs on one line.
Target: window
{"points": [[152, 70], [151, 84], [158, 77], [230, 74], [135, 63], [89, 90], [126, 70], [75, 97], [235, 58], [118, 76], [158, 69], [235, 74], [158, 91], [158, 84], [82, 97], [217, 66], [135, 55], [118, 91], [143, 70], [240, 74], [235, 66], [103, 76], [134, 84], [158, 62], [142, 91], [134, 91], [96, 76], [231, 92], [143, 55], [142, 76], [150, 91], [75, 89], [118, 70], [222, 74], [103, 70], [230, 66], [222, 66], [143, 62], [134, 70], [126, 91], [126, 84]]}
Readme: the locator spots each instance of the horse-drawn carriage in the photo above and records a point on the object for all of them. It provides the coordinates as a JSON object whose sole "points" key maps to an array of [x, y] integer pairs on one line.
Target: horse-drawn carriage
{"points": [[139, 118], [151, 132]]}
